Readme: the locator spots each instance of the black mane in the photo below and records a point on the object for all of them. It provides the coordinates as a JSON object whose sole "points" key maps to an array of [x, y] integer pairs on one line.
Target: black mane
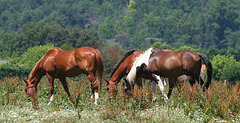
{"points": [[115, 67]]}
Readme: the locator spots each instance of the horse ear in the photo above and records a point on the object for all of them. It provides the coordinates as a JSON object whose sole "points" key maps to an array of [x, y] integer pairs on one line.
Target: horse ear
{"points": [[107, 81], [25, 81]]}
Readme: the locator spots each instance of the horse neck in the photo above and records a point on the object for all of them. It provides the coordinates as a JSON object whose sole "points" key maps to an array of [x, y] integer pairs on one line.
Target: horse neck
{"points": [[36, 74], [118, 71], [118, 75], [142, 59]]}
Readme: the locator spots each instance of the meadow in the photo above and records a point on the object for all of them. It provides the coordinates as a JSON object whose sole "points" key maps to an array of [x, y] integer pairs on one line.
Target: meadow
{"points": [[221, 103]]}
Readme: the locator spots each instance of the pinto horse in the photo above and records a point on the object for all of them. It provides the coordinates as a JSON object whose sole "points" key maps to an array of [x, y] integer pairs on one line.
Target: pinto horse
{"points": [[59, 64], [172, 65], [122, 68]]}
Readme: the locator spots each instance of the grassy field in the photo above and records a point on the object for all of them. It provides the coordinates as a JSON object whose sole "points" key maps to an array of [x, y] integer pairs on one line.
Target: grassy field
{"points": [[220, 104]]}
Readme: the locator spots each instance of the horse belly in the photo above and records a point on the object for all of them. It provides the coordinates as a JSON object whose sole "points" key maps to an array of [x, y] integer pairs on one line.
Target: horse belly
{"points": [[71, 72], [169, 72]]}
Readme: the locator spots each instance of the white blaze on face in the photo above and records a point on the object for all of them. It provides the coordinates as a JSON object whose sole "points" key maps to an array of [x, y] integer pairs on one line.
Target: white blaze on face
{"points": [[143, 58]]}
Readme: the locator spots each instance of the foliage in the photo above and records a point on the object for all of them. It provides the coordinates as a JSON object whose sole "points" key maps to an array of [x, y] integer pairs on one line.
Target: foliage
{"points": [[110, 55], [221, 63], [231, 72], [12, 70], [41, 33], [187, 48], [160, 46], [66, 47], [34, 54], [14, 59], [203, 24]]}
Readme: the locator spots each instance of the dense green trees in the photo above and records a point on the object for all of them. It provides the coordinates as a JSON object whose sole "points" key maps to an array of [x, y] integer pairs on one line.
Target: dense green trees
{"points": [[41, 33], [210, 26], [203, 23]]}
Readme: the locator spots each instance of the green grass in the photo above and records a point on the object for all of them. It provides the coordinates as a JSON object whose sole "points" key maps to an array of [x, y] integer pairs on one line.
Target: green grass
{"points": [[220, 104]]}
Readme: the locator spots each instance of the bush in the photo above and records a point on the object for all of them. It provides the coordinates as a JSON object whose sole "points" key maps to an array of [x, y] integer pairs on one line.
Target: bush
{"points": [[219, 62], [35, 53], [11, 70], [231, 72]]}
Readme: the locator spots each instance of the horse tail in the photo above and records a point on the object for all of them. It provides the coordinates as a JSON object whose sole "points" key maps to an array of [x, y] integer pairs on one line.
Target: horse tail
{"points": [[209, 70], [100, 68]]}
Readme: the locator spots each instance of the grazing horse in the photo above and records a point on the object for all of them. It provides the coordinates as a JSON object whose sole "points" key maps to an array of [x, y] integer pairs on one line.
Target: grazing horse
{"points": [[172, 65], [59, 64], [121, 69], [184, 77]]}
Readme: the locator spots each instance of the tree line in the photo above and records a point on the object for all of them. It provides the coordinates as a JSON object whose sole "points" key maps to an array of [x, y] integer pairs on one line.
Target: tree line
{"points": [[115, 27], [134, 23]]}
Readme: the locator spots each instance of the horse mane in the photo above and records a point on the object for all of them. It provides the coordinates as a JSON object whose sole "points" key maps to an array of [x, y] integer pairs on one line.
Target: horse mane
{"points": [[143, 58], [36, 68], [39, 64], [116, 66]]}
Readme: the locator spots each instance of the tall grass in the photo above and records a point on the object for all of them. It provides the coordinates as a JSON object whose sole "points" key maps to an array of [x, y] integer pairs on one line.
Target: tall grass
{"points": [[220, 103]]}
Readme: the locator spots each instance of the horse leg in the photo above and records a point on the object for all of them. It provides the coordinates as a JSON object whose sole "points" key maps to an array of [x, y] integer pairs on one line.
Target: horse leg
{"points": [[165, 81], [160, 85], [153, 85], [171, 85], [94, 87], [51, 87], [65, 86], [139, 83], [191, 80], [178, 84]]}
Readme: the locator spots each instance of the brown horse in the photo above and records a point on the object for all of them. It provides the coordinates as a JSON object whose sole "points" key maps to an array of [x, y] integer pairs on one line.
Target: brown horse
{"points": [[59, 64], [171, 65], [122, 68]]}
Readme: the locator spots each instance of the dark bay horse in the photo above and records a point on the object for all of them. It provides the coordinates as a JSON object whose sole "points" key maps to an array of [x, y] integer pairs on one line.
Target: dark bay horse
{"points": [[121, 69], [59, 64], [172, 65]]}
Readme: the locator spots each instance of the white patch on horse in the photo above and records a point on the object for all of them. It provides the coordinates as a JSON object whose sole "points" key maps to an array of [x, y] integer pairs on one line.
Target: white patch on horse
{"points": [[143, 58], [52, 98], [91, 98], [96, 98], [161, 87]]}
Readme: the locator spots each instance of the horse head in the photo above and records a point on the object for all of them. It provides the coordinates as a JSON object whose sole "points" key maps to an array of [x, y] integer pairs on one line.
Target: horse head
{"points": [[111, 88], [30, 88]]}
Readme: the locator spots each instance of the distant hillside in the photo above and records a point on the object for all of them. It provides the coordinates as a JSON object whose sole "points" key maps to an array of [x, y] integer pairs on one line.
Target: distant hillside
{"points": [[134, 24]]}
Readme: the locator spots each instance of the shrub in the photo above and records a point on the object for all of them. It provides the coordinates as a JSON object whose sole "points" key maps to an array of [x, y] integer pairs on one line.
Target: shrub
{"points": [[35, 53], [11, 70], [219, 62], [231, 72]]}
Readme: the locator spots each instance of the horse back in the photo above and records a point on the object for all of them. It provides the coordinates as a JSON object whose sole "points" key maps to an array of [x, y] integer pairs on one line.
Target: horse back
{"points": [[69, 62], [175, 62]]}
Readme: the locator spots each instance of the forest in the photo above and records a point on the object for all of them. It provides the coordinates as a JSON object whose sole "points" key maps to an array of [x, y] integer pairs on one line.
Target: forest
{"points": [[29, 28], [207, 26]]}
